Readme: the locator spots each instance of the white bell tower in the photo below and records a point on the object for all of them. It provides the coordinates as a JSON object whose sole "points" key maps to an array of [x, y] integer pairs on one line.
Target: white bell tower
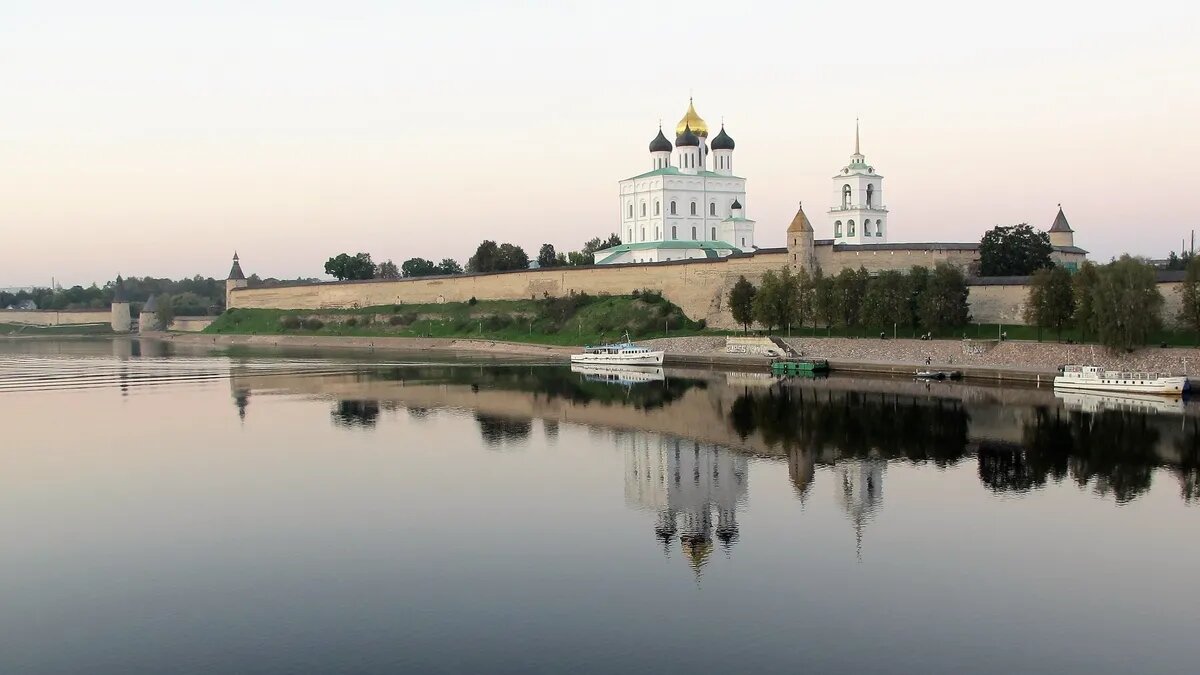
{"points": [[858, 215]]}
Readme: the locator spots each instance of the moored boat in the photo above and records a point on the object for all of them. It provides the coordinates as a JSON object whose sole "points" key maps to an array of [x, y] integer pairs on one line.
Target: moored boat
{"points": [[793, 366], [1096, 378], [619, 354]]}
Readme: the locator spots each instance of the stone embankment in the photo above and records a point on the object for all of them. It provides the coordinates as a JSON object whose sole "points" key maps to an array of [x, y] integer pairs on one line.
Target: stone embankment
{"points": [[1012, 359], [1003, 361]]}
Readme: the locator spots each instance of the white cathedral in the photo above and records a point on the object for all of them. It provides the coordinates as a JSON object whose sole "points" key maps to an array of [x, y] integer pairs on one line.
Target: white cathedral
{"points": [[688, 205], [691, 205]]}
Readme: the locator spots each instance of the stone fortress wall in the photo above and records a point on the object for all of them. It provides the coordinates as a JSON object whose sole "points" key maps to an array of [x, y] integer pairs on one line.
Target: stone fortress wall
{"points": [[699, 287]]}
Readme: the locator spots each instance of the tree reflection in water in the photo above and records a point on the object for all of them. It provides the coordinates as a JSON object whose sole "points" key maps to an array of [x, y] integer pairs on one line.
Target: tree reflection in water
{"points": [[498, 431], [355, 413], [1115, 452]]}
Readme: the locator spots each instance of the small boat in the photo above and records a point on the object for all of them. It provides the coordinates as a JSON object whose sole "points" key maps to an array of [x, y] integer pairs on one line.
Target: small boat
{"points": [[796, 366], [619, 354], [939, 374], [1096, 378]]}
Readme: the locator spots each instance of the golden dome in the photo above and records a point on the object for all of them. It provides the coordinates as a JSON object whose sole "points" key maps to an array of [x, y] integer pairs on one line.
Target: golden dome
{"points": [[691, 119]]}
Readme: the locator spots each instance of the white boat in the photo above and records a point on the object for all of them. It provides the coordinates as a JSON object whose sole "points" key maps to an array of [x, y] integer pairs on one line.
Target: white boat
{"points": [[620, 354], [1095, 378], [619, 374]]}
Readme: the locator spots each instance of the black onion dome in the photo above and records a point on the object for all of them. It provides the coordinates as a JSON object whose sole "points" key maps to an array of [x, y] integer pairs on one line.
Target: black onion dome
{"points": [[687, 139], [736, 204], [660, 143], [722, 141]]}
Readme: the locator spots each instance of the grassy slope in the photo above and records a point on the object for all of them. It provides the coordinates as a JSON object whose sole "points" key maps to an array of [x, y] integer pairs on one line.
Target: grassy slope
{"points": [[596, 320]]}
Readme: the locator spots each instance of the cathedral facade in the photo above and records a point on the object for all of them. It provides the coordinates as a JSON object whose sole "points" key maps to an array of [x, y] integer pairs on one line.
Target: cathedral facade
{"points": [[689, 205]]}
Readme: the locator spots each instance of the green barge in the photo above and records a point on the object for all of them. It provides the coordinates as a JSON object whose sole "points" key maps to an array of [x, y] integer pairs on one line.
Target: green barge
{"points": [[799, 366]]}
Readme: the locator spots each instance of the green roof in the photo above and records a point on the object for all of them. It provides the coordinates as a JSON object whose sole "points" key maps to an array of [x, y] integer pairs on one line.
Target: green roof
{"points": [[674, 171], [710, 248]]}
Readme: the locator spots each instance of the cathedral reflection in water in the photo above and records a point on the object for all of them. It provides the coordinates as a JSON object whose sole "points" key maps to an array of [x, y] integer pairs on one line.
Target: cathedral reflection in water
{"points": [[687, 484]]}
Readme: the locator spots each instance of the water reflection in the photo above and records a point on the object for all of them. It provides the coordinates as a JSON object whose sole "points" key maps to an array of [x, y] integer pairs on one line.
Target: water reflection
{"points": [[686, 484], [1109, 447], [355, 414], [502, 431]]}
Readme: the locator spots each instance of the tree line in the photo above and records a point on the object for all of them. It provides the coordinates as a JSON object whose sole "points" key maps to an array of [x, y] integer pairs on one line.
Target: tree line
{"points": [[489, 257], [931, 299], [1118, 304]]}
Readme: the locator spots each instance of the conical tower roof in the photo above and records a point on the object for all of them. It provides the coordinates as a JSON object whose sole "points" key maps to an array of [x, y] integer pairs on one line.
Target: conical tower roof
{"points": [[235, 272], [800, 222], [151, 304], [1060, 222]]}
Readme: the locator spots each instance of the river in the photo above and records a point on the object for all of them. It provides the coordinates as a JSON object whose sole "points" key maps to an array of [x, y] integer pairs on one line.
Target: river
{"points": [[189, 511]]}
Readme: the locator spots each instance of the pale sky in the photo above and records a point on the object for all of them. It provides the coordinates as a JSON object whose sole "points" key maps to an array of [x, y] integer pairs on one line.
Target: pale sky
{"points": [[154, 138]]}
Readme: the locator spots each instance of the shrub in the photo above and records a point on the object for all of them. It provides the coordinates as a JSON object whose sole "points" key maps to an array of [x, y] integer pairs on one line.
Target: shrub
{"points": [[289, 322], [410, 317], [472, 301], [352, 322], [497, 322], [395, 320], [313, 323], [396, 309], [702, 324], [651, 297]]}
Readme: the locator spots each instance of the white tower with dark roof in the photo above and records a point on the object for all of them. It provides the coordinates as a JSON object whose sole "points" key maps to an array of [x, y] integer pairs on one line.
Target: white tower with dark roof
{"points": [[858, 215]]}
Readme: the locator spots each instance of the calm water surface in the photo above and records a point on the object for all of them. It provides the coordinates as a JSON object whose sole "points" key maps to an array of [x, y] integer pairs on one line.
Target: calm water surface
{"points": [[256, 513]]}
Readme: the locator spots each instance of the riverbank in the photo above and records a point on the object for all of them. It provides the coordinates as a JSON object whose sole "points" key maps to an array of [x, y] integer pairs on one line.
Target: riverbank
{"points": [[1006, 361]]}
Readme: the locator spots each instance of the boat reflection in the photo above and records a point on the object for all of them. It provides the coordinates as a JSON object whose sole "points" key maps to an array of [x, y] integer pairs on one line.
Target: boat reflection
{"points": [[624, 375], [1147, 404]]}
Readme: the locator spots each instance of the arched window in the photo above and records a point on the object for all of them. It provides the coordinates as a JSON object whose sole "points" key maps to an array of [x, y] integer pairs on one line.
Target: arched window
{"points": [[657, 207], [712, 208], [870, 194], [879, 228], [643, 209], [837, 229], [631, 210], [674, 232], [693, 233], [672, 207], [657, 236], [714, 234], [693, 208], [630, 235], [846, 196], [743, 242], [643, 234], [849, 228]]}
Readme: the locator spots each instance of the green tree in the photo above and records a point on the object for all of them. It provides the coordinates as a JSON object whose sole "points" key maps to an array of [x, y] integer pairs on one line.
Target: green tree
{"points": [[512, 257], [777, 301], [1084, 291], [1127, 303], [344, 266], [449, 266], [486, 258], [943, 303], [886, 302], [849, 286], [1051, 299], [388, 270], [741, 302], [1018, 250], [918, 281], [165, 312], [546, 256], [823, 306], [418, 267], [805, 294], [1189, 296]]}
